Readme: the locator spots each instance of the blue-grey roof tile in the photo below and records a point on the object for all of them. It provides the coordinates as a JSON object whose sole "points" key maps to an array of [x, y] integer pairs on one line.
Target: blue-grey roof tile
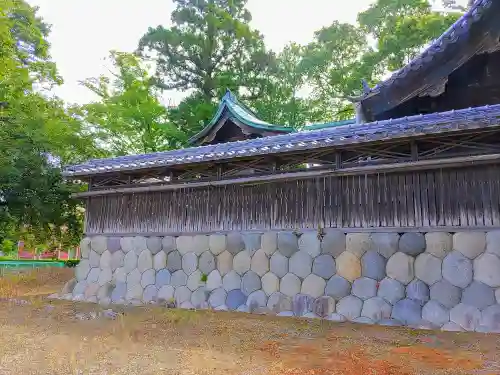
{"points": [[470, 118]]}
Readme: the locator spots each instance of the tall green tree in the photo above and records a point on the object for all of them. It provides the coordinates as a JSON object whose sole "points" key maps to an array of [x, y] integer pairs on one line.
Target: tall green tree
{"points": [[283, 100], [192, 113], [209, 47], [27, 73], [129, 117], [35, 204], [24, 44], [335, 63], [34, 133]]}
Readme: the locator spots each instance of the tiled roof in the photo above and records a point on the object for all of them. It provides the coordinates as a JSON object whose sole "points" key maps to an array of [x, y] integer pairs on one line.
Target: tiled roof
{"points": [[470, 118], [329, 125], [456, 33], [230, 103]]}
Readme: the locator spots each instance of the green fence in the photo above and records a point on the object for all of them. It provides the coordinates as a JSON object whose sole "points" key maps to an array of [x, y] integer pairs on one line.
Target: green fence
{"points": [[21, 265]]}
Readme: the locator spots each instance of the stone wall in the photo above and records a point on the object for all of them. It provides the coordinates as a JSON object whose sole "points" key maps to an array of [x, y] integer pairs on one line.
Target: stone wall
{"points": [[431, 280]]}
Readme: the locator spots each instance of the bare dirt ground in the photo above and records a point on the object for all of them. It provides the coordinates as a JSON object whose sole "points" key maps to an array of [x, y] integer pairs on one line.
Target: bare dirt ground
{"points": [[45, 337]]}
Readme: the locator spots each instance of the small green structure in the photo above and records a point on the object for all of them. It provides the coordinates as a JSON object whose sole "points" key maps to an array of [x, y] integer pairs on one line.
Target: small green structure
{"points": [[22, 265], [234, 121]]}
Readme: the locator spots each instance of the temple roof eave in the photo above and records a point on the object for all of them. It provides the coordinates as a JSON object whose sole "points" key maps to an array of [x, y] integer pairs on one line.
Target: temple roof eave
{"points": [[434, 62], [412, 126]]}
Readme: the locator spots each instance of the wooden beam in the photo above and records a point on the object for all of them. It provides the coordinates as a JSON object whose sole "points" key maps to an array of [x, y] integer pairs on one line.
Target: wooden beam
{"points": [[313, 173], [414, 150]]}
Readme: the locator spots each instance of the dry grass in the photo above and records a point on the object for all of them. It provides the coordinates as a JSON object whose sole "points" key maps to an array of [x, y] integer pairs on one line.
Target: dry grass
{"points": [[34, 282], [149, 340]]}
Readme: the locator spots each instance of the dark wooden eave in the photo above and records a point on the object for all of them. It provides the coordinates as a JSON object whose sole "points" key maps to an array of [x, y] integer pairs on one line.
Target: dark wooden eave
{"points": [[476, 32]]}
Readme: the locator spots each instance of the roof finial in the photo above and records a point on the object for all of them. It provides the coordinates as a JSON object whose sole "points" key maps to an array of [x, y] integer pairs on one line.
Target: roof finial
{"points": [[366, 87], [228, 95]]}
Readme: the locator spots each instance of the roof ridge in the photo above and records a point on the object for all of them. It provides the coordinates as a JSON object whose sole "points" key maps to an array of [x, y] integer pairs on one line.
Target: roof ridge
{"points": [[468, 118], [234, 99]]}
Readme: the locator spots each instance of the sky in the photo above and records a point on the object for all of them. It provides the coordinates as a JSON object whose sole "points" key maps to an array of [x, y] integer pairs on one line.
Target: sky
{"points": [[84, 31]]}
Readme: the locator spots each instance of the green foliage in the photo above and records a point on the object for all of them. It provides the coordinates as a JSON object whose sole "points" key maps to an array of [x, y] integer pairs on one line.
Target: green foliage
{"points": [[203, 278], [280, 101], [333, 62], [72, 263], [8, 246], [209, 47], [390, 34], [129, 117], [24, 47], [210, 42], [192, 113], [402, 28], [36, 133]]}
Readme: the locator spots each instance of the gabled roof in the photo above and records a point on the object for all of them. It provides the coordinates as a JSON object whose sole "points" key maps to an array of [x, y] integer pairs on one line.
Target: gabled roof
{"points": [[458, 120], [237, 111], [477, 31]]}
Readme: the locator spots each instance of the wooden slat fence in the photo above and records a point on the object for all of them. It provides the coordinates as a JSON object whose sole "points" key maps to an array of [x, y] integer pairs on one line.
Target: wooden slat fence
{"points": [[459, 197]]}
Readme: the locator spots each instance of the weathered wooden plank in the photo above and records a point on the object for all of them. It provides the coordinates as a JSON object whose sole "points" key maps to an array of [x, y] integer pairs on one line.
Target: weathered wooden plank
{"points": [[478, 199], [395, 194], [357, 209], [370, 204], [417, 201], [319, 201], [485, 198], [466, 197], [403, 196], [386, 207], [494, 179], [424, 198], [376, 201], [433, 204], [471, 212], [451, 178], [440, 198], [460, 197], [411, 189], [339, 186]]}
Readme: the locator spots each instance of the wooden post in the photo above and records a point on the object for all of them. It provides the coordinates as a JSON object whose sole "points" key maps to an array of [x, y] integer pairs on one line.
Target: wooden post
{"points": [[338, 160], [414, 151]]}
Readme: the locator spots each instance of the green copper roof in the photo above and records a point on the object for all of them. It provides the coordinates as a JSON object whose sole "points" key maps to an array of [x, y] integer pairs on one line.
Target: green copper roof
{"points": [[242, 113]]}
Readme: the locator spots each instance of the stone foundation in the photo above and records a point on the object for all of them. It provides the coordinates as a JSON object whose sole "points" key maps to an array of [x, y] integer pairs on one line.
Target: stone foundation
{"points": [[432, 280]]}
